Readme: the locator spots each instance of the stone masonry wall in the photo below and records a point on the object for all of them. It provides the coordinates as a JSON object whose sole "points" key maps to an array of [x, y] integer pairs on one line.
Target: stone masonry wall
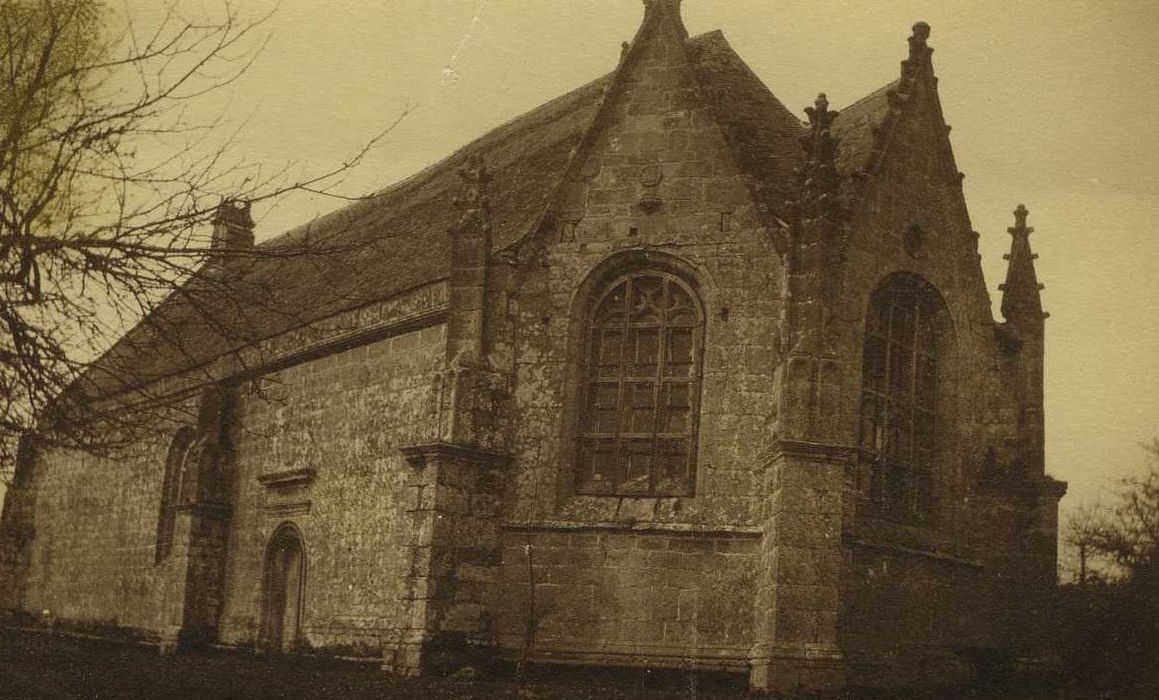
{"points": [[615, 596], [96, 527], [18, 527], [344, 416], [912, 617], [705, 221], [909, 589], [656, 144]]}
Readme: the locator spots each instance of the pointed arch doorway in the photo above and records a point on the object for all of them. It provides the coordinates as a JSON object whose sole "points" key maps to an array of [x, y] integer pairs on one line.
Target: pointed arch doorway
{"points": [[283, 589]]}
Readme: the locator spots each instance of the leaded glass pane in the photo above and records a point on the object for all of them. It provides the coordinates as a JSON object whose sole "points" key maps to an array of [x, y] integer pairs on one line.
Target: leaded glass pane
{"points": [[681, 308], [679, 350], [642, 412], [642, 383], [609, 344], [597, 458], [646, 352], [636, 465], [677, 409], [899, 395], [604, 407], [672, 466]]}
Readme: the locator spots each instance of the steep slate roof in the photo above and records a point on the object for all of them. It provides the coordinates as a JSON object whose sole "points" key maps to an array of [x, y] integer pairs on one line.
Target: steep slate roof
{"points": [[762, 133], [854, 126], [398, 238], [375, 248]]}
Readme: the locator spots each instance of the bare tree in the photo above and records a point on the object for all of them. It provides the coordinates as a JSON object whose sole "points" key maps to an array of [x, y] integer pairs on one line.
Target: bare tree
{"points": [[1121, 540], [93, 234]]}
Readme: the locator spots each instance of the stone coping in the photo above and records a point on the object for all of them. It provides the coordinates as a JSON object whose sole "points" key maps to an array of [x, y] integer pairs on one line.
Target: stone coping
{"points": [[916, 553], [419, 456], [656, 528]]}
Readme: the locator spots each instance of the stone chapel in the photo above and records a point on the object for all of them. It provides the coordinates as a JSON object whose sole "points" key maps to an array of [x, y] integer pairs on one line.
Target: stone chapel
{"points": [[656, 374]]}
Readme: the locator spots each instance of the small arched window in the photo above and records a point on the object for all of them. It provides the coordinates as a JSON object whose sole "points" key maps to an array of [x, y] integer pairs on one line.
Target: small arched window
{"points": [[176, 464], [641, 388], [899, 388]]}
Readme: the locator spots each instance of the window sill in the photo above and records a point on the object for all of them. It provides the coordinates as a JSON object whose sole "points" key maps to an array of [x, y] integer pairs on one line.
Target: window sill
{"points": [[690, 529]]}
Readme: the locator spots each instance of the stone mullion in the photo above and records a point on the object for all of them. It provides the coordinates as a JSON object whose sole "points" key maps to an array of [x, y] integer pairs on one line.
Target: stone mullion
{"points": [[657, 386], [621, 371]]}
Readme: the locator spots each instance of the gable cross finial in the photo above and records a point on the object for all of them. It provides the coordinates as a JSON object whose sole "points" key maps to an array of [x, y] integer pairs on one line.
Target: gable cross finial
{"points": [[918, 46], [917, 40]]}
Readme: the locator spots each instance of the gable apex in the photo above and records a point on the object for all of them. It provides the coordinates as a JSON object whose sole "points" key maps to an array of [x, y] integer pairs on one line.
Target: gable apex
{"points": [[656, 11], [865, 128]]}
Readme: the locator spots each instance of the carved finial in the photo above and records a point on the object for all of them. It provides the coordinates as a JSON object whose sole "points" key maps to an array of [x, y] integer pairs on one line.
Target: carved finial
{"points": [[1020, 298], [921, 33], [819, 115], [473, 195], [234, 211], [821, 181], [1020, 227], [919, 50], [671, 5]]}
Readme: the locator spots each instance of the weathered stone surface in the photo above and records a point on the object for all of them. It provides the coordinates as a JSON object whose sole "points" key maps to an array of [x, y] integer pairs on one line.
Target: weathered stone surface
{"points": [[425, 447]]}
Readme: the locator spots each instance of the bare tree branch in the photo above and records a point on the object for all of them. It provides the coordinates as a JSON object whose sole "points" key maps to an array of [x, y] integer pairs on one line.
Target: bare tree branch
{"points": [[94, 237]]}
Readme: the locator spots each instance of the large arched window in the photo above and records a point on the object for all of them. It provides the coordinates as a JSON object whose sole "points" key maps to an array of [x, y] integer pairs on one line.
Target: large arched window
{"points": [[641, 388], [176, 465], [899, 389]]}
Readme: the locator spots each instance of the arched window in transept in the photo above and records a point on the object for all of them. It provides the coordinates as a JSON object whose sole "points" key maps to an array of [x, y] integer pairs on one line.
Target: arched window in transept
{"points": [[899, 392], [640, 388]]}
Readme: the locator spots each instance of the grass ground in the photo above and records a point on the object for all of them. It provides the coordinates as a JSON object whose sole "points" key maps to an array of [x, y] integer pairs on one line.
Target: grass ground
{"points": [[37, 665]]}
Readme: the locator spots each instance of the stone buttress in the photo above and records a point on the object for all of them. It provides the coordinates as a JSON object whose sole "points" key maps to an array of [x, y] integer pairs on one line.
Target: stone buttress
{"points": [[458, 467]]}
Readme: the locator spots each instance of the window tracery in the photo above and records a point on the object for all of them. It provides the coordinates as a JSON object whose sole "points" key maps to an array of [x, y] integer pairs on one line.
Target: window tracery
{"points": [[641, 388]]}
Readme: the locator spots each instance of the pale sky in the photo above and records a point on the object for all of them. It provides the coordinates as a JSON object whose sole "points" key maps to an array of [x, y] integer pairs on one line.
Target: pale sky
{"points": [[1051, 103]]}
